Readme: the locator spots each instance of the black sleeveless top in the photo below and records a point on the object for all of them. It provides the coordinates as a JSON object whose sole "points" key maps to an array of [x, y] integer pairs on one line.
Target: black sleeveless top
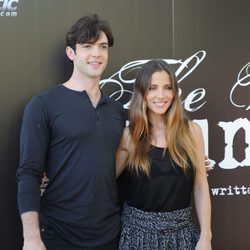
{"points": [[167, 189]]}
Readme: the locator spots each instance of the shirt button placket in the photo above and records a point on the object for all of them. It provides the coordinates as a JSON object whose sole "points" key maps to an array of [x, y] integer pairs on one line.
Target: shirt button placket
{"points": [[98, 120]]}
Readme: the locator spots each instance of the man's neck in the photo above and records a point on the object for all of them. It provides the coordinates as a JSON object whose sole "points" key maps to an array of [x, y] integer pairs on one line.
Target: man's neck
{"points": [[90, 85], [83, 83]]}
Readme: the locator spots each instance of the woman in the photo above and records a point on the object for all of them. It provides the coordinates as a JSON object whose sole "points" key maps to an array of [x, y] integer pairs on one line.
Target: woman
{"points": [[164, 155]]}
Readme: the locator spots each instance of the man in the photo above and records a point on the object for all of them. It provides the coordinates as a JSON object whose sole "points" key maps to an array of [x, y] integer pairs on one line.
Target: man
{"points": [[71, 132]]}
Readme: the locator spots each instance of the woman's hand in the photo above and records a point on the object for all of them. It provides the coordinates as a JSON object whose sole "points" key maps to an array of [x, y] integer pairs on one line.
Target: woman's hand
{"points": [[203, 244]]}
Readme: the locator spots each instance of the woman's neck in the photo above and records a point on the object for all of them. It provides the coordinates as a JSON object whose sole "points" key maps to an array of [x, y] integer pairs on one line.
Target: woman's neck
{"points": [[159, 134]]}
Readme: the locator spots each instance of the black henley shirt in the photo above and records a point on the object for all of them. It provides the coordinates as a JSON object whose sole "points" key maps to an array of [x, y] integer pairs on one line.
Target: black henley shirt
{"points": [[75, 144]]}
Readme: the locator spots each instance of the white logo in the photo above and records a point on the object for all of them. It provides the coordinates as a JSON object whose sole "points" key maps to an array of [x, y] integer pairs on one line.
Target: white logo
{"points": [[243, 80], [8, 8], [123, 80], [119, 86]]}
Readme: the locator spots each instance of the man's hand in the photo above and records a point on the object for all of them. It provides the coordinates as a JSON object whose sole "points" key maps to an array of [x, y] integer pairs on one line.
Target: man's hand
{"points": [[209, 164], [31, 232], [33, 245]]}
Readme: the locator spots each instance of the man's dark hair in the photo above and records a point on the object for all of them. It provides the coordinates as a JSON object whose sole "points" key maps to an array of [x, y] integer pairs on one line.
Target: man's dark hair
{"points": [[87, 30]]}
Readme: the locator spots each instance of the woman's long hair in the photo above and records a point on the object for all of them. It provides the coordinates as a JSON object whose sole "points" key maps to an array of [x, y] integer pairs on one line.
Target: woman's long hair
{"points": [[181, 144]]}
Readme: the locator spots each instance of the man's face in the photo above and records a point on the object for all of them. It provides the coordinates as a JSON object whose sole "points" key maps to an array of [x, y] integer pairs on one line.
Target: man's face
{"points": [[90, 59]]}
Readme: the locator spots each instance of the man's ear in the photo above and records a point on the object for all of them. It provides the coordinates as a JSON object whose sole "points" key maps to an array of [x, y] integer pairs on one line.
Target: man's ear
{"points": [[70, 53]]}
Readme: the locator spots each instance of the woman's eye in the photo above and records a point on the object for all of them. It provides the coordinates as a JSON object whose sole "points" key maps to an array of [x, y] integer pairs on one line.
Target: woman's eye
{"points": [[152, 87], [168, 87]]}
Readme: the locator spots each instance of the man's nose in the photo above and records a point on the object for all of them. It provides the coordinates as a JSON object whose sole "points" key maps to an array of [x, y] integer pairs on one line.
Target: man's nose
{"points": [[95, 51]]}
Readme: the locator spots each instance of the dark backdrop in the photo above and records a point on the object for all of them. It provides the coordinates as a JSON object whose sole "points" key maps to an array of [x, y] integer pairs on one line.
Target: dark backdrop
{"points": [[208, 43]]}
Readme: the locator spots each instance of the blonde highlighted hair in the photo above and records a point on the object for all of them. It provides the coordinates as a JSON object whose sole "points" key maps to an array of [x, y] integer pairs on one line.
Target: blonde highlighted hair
{"points": [[180, 140]]}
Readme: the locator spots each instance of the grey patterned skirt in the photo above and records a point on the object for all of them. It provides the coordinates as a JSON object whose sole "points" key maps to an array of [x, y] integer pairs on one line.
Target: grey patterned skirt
{"points": [[143, 230]]}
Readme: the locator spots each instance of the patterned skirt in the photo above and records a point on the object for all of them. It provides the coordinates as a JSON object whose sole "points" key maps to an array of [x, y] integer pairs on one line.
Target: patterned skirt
{"points": [[143, 230]]}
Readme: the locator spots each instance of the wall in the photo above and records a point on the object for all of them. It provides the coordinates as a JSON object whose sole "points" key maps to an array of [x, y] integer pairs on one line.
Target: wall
{"points": [[207, 41]]}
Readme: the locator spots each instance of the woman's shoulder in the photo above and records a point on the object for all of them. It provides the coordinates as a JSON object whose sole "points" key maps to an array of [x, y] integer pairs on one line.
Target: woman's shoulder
{"points": [[196, 131], [126, 132], [126, 138], [194, 127]]}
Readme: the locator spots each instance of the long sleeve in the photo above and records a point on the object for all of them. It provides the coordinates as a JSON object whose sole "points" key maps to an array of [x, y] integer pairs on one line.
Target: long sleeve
{"points": [[34, 139]]}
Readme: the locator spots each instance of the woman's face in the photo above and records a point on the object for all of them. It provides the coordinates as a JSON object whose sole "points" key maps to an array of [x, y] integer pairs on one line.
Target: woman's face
{"points": [[160, 94]]}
